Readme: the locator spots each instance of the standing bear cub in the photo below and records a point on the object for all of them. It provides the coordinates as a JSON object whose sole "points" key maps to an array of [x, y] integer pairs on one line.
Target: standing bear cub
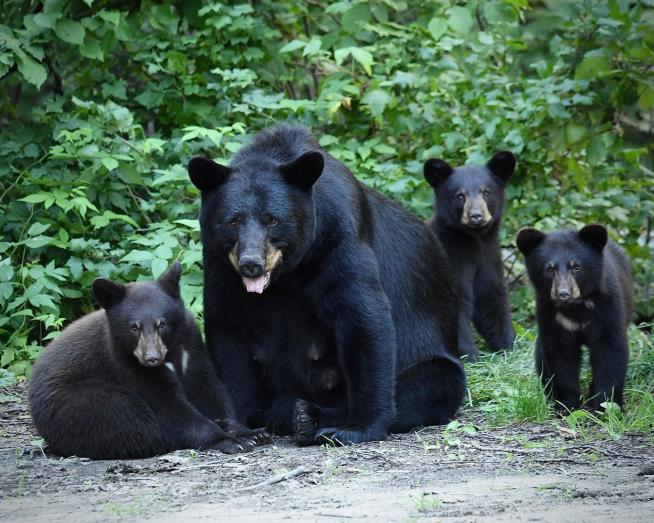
{"points": [[469, 206], [329, 310], [133, 380], [584, 295]]}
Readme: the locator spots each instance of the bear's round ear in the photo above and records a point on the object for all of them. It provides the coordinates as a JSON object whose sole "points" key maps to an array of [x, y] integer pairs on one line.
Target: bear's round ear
{"points": [[169, 280], [206, 174], [594, 235], [436, 171], [107, 293], [303, 172], [528, 239], [502, 165]]}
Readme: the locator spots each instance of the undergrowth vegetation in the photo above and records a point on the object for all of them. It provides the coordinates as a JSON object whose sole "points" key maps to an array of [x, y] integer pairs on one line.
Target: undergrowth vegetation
{"points": [[506, 389], [102, 103]]}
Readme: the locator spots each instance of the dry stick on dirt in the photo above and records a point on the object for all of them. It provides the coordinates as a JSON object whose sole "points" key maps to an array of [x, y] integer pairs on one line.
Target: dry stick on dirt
{"points": [[297, 471]]}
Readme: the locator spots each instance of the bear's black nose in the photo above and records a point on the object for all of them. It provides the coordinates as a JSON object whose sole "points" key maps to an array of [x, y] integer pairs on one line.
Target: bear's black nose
{"points": [[476, 218], [250, 266], [152, 360], [564, 295]]}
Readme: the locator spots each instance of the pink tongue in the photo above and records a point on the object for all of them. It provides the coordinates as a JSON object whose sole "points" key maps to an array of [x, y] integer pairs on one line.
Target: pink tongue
{"points": [[255, 284]]}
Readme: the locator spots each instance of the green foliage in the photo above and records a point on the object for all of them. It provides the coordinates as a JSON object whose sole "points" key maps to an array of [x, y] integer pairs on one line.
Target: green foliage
{"points": [[102, 103]]}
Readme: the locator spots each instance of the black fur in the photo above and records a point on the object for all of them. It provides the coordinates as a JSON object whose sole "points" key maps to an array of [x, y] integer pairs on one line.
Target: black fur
{"points": [[597, 316], [474, 249], [90, 396], [359, 315]]}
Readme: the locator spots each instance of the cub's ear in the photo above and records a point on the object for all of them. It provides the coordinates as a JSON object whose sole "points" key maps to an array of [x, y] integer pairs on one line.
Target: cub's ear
{"points": [[436, 171], [304, 171], [206, 174], [594, 235], [528, 239], [502, 165], [169, 280], [107, 293]]}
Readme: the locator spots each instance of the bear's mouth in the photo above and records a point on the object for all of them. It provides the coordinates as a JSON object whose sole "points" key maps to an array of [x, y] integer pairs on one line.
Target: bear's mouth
{"points": [[258, 284]]}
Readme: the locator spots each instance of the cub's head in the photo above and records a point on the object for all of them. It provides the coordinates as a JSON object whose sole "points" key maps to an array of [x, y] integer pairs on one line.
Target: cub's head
{"points": [[144, 317], [470, 198], [257, 214], [564, 266]]}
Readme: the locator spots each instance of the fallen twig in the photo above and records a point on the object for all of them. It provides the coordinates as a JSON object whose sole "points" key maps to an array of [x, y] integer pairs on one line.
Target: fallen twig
{"points": [[278, 478]]}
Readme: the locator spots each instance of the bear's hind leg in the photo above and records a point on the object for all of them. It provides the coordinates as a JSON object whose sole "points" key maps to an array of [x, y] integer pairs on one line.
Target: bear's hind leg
{"points": [[428, 393], [98, 420]]}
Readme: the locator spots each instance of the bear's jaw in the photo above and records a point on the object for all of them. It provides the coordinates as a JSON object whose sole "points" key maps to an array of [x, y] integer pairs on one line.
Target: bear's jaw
{"points": [[257, 285]]}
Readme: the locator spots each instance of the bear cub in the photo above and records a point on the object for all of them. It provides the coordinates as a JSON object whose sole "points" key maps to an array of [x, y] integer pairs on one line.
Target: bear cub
{"points": [[134, 380], [584, 296], [469, 206]]}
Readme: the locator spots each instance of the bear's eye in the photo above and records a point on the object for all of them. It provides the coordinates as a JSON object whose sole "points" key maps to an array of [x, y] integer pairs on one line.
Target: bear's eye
{"points": [[576, 267], [161, 325], [486, 194], [549, 269], [460, 197], [134, 327], [268, 220], [236, 220]]}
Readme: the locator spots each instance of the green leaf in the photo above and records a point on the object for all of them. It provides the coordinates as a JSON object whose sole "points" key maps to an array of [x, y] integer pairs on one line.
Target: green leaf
{"points": [[46, 20], [158, 267], [137, 256], [70, 31], [437, 27], [91, 49], [38, 228], [376, 100], [31, 70], [460, 19], [594, 65], [364, 58], [109, 163], [292, 46], [164, 252], [646, 99]]}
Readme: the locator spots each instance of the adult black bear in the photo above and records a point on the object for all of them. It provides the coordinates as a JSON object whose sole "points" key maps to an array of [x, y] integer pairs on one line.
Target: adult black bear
{"points": [[133, 380], [469, 206], [584, 295], [329, 310]]}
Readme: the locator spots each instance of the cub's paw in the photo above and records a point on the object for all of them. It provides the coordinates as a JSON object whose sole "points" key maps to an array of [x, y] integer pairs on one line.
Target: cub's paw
{"points": [[304, 423], [469, 352]]}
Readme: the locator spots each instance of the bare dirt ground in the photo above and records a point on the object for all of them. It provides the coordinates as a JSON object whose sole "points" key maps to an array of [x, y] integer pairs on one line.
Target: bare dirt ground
{"points": [[525, 472]]}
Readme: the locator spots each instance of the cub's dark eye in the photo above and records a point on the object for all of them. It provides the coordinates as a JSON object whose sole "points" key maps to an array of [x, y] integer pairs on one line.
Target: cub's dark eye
{"points": [[134, 327], [268, 221], [576, 267], [549, 269], [460, 197], [162, 325], [486, 194]]}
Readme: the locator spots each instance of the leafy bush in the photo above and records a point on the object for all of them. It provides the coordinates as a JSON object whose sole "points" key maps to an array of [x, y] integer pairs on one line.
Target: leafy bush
{"points": [[102, 103]]}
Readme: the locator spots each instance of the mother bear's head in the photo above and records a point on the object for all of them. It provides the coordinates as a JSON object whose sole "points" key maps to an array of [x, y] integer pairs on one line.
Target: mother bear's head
{"points": [[258, 214]]}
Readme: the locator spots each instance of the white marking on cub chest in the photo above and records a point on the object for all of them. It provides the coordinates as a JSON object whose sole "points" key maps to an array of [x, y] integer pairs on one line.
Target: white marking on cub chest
{"points": [[184, 361], [567, 323], [171, 367]]}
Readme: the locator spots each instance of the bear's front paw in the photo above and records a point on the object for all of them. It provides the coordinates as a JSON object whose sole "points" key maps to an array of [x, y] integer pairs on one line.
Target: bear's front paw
{"points": [[304, 423], [234, 445]]}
